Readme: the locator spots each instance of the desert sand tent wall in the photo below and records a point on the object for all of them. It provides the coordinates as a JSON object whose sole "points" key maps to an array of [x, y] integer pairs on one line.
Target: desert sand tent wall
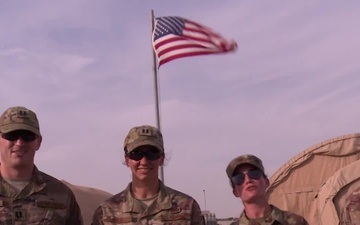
{"points": [[307, 183]]}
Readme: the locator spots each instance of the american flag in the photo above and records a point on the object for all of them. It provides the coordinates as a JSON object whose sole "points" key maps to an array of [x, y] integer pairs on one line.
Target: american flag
{"points": [[176, 37]]}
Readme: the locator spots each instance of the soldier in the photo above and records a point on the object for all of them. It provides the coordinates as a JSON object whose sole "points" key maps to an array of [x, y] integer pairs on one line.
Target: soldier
{"points": [[249, 183], [27, 195], [146, 200]]}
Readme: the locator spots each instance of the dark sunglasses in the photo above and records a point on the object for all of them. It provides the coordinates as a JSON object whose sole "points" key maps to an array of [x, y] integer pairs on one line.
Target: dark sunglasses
{"points": [[239, 179], [25, 135], [137, 155]]}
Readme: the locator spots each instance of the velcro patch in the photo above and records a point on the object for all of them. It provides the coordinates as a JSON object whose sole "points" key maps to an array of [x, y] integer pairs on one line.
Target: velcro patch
{"points": [[111, 219], [50, 205], [172, 217]]}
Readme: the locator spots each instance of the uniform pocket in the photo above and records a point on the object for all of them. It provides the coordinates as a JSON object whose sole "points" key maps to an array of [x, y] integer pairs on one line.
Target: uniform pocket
{"points": [[46, 213], [125, 220], [174, 217], [5, 211]]}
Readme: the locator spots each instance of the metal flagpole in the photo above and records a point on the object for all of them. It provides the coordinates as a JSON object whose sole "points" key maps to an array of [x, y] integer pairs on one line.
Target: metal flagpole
{"points": [[156, 90], [204, 199]]}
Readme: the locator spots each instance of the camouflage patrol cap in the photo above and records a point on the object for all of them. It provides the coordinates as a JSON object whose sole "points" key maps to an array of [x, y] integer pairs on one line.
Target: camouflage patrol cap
{"points": [[143, 135], [19, 118], [244, 159]]}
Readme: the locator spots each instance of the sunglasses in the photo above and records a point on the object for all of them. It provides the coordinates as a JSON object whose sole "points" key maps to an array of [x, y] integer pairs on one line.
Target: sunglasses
{"points": [[137, 155], [25, 135], [239, 179]]}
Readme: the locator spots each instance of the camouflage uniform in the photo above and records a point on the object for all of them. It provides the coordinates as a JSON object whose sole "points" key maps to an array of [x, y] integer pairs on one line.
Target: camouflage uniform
{"points": [[44, 200], [169, 206], [351, 212], [143, 135], [244, 159], [277, 217]]}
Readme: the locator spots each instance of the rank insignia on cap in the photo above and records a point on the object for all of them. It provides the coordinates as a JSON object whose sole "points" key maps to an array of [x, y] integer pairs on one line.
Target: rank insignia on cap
{"points": [[19, 214]]}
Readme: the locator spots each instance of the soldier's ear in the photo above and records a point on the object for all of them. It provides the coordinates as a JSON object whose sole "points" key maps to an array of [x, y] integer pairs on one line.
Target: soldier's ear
{"points": [[236, 194], [38, 142], [126, 160], [162, 160], [267, 182]]}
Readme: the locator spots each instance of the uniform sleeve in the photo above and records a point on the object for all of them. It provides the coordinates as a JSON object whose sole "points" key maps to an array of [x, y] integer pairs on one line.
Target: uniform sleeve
{"points": [[196, 217], [75, 217], [97, 217]]}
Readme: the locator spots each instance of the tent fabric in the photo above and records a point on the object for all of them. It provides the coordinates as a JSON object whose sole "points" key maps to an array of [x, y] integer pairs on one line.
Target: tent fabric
{"points": [[295, 186], [332, 195], [88, 199], [350, 214]]}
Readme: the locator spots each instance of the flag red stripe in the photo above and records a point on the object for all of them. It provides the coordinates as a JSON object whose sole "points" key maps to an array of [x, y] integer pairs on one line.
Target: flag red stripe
{"points": [[184, 55], [177, 47], [167, 41]]}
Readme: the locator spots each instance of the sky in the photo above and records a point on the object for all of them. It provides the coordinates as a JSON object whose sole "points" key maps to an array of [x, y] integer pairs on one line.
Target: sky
{"points": [[85, 68]]}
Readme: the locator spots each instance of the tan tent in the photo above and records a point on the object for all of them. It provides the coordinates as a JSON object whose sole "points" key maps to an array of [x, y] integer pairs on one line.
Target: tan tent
{"points": [[317, 182], [88, 199], [333, 194]]}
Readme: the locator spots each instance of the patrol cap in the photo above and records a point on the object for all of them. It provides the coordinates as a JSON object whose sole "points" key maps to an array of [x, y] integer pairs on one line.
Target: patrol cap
{"points": [[244, 159], [19, 118], [143, 135]]}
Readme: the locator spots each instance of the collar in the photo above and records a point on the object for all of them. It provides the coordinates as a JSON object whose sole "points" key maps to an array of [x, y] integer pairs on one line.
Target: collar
{"points": [[162, 202], [36, 184], [275, 215]]}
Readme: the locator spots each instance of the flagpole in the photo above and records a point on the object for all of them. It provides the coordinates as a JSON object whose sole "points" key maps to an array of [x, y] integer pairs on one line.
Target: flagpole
{"points": [[156, 90]]}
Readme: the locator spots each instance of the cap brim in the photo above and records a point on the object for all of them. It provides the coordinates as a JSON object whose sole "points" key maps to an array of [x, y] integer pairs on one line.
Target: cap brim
{"points": [[142, 143], [14, 127], [243, 163], [252, 164]]}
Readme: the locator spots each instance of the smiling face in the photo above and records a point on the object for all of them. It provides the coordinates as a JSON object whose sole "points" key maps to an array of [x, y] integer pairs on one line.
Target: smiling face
{"points": [[251, 190], [17, 149], [145, 169]]}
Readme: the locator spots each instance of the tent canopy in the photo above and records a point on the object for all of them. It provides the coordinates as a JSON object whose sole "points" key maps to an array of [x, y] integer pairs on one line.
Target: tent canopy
{"points": [[316, 182]]}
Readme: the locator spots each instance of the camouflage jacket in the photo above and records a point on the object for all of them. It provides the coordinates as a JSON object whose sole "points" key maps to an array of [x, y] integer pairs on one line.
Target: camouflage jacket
{"points": [[277, 217], [170, 207], [44, 200]]}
